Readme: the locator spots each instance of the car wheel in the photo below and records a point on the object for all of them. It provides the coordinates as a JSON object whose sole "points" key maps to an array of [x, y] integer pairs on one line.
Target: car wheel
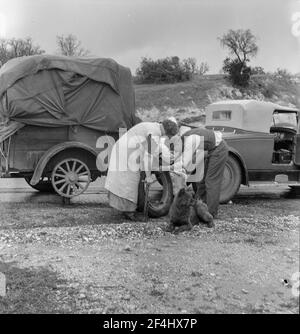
{"points": [[70, 176], [44, 185], [231, 180], [160, 195]]}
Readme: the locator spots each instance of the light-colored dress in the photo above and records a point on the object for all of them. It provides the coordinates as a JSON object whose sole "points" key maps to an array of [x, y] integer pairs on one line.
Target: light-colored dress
{"points": [[123, 174]]}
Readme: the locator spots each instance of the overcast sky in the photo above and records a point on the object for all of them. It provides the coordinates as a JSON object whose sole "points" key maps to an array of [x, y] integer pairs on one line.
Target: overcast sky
{"points": [[127, 30]]}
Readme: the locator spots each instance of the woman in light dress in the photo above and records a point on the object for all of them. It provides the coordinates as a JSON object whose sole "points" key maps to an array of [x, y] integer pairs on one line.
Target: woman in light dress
{"points": [[123, 175]]}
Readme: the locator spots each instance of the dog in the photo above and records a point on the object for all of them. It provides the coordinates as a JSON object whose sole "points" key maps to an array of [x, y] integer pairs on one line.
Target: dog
{"points": [[200, 214], [185, 212], [181, 210]]}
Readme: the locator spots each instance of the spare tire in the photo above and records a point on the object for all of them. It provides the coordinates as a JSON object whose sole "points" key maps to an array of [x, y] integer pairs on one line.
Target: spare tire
{"points": [[160, 195]]}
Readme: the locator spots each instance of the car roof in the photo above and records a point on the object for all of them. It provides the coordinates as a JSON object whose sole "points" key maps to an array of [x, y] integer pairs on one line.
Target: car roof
{"points": [[249, 115]]}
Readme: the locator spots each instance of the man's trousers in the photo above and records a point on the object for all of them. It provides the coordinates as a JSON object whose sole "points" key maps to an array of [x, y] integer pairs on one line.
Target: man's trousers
{"points": [[209, 189]]}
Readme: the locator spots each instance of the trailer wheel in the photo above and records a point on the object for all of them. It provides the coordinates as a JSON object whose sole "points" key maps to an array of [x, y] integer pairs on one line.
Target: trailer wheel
{"points": [[70, 176]]}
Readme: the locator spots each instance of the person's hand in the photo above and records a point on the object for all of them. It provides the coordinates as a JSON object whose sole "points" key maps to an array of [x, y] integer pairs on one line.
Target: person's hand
{"points": [[180, 172], [172, 158], [167, 158]]}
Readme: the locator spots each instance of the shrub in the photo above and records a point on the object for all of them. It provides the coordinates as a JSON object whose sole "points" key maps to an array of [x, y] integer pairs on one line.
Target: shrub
{"points": [[283, 75], [269, 89], [239, 73], [165, 70], [257, 70]]}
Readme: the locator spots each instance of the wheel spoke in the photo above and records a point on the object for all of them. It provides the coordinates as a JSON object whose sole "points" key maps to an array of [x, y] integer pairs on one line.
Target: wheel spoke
{"points": [[60, 176], [83, 179], [68, 192], [60, 181], [79, 169], [85, 173], [59, 168], [63, 187], [74, 166], [68, 166]]}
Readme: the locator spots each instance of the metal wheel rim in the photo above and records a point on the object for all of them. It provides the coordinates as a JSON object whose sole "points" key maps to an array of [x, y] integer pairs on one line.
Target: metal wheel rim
{"points": [[70, 177]]}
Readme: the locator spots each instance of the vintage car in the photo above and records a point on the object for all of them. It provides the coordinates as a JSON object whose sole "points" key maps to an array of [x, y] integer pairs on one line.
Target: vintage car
{"points": [[56, 116], [264, 142]]}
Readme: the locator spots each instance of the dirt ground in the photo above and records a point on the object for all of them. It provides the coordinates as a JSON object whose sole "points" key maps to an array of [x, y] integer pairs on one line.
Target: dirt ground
{"points": [[84, 258]]}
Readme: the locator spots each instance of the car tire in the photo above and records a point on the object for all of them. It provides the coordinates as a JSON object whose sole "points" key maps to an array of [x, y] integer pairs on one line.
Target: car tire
{"points": [[231, 180], [42, 186], [156, 211]]}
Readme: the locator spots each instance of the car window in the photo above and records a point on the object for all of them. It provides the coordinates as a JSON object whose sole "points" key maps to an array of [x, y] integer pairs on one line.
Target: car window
{"points": [[284, 118], [222, 115]]}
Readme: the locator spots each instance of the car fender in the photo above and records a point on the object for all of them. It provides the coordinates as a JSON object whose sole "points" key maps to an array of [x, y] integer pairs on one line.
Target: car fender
{"points": [[46, 157], [238, 157]]}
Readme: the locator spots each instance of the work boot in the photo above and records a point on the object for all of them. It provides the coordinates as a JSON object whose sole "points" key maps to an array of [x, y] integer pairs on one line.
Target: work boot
{"points": [[130, 216]]}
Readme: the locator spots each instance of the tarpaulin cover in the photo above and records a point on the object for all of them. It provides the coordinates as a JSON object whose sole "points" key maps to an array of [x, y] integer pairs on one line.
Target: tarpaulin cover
{"points": [[53, 91], [9, 129]]}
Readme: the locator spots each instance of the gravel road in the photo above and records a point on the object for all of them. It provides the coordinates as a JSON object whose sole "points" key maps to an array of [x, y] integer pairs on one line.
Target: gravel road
{"points": [[84, 258]]}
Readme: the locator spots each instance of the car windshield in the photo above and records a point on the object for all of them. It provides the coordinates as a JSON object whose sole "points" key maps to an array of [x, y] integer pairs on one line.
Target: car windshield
{"points": [[285, 118]]}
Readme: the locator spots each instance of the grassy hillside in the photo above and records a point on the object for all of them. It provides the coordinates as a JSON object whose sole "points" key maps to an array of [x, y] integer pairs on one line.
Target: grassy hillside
{"points": [[186, 101]]}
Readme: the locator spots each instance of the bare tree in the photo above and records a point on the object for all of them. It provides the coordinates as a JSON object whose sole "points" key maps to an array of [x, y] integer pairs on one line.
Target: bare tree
{"points": [[24, 47], [241, 43], [17, 47], [70, 46], [203, 68], [190, 64]]}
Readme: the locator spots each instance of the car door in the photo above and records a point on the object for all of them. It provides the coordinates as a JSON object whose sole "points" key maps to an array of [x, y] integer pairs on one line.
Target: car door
{"points": [[256, 149]]}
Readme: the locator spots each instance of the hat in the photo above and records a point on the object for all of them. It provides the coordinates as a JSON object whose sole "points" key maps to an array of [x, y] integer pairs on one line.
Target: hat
{"points": [[173, 119]]}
